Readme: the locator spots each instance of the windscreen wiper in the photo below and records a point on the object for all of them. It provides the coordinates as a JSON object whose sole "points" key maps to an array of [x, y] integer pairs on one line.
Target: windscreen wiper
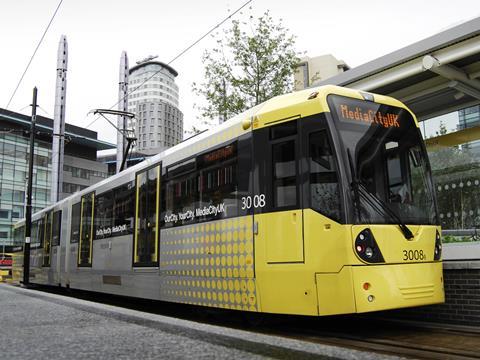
{"points": [[385, 209], [382, 208]]}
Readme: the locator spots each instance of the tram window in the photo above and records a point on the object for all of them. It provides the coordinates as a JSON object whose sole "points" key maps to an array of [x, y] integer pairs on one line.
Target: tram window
{"points": [[103, 215], [398, 187], [324, 188], [146, 233], [41, 231], [35, 236], [124, 209], [19, 235], [180, 200], [56, 227], [284, 174], [208, 191], [47, 239], [217, 183], [75, 227], [217, 187], [86, 230], [114, 211], [282, 130]]}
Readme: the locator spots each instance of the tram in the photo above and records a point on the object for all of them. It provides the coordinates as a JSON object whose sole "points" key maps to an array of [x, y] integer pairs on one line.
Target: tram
{"points": [[317, 202]]}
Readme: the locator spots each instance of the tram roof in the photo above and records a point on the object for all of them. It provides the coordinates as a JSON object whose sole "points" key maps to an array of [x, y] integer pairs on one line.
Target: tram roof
{"points": [[434, 76], [228, 131]]}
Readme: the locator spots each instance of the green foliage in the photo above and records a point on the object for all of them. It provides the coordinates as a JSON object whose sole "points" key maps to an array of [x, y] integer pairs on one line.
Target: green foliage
{"points": [[450, 157], [247, 67]]}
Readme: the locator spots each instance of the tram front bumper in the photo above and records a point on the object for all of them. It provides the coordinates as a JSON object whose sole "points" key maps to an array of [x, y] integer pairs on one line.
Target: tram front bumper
{"points": [[381, 287]]}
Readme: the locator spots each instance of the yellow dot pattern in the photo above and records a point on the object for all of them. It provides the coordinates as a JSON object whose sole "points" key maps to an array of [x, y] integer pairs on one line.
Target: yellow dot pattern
{"points": [[209, 264]]}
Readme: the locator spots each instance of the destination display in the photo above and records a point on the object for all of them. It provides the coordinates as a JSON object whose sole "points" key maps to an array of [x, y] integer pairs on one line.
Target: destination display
{"points": [[366, 113], [218, 155]]}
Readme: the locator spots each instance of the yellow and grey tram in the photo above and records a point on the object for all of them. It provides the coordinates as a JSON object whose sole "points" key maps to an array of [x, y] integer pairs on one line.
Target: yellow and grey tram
{"points": [[317, 202]]}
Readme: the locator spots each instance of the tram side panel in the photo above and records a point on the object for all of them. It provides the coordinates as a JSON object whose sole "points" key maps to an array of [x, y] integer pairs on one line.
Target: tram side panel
{"points": [[208, 259], [294, 243]]}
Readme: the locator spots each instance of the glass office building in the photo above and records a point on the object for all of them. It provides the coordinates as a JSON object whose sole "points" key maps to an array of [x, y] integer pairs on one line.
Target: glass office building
{"points": [[14, 153], [80, 166]]}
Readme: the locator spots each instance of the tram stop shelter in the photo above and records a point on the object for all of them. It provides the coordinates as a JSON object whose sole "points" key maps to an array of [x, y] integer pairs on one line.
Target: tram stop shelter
{"points": [[434, 76]]}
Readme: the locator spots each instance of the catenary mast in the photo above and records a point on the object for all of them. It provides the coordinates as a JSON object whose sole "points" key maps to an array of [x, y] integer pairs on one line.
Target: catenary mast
{"points": [[122, 106], [59, 120]]}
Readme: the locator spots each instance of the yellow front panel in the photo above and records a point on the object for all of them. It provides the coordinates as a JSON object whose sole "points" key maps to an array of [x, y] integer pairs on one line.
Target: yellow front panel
{"points": [[282, 233], [335, 292], [327, 243], [399, 285], [395, 248]]}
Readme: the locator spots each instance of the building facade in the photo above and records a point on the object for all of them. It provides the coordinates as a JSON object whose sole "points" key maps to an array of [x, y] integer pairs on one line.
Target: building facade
{"points": [[318, 68], [154, 100], [469, 118], [80, 166]]}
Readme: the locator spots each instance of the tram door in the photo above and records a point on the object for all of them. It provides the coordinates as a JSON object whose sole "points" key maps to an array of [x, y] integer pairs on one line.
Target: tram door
{"points": [[56, 256], [47, 239], [86, 230], [279, 224], [146, 236]]}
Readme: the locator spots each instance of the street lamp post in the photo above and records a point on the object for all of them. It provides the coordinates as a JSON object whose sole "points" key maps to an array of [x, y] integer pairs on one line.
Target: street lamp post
{"points": [[28, 214]]}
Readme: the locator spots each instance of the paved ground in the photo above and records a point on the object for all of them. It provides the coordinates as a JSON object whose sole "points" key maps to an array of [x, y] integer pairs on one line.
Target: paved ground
{"points": [[37, 325]]}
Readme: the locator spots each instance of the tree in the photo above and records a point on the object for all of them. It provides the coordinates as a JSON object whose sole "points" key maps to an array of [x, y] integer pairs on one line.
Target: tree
{"points": [[448, 158], [456, 171], [247, 68]]}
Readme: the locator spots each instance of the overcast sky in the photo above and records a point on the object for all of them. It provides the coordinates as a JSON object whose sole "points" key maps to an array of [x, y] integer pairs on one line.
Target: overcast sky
{"points": [[98, 30]]}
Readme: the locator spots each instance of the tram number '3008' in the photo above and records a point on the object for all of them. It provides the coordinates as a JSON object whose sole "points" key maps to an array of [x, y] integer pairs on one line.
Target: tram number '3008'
{"points": [[414, 255], [257, 201]]}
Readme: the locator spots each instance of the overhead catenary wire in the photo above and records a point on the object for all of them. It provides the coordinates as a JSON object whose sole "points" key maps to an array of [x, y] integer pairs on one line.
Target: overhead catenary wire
{"points": [[34, 52], [177, 56]]}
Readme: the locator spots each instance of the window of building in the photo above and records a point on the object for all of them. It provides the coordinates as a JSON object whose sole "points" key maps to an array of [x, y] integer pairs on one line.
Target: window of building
{"points": [[17, 212]]}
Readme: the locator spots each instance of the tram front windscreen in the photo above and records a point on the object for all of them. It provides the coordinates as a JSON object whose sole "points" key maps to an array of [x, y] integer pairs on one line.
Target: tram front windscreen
{"points": [[387, 161]]}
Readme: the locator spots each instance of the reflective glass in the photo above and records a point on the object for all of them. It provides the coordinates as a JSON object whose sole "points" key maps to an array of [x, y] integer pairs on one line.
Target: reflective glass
{"points": [[383, 146]]}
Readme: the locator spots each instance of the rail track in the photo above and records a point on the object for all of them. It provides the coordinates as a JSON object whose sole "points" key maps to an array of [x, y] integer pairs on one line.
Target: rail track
{"points": [[360, 332], [405, 339]]}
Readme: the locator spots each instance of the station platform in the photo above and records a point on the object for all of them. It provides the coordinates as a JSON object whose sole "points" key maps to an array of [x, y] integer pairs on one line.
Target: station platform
{"points": [[39, 325]]}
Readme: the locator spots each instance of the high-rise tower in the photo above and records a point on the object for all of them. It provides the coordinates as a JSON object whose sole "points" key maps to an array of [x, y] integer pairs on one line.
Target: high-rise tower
{"points": [[154, 99]]}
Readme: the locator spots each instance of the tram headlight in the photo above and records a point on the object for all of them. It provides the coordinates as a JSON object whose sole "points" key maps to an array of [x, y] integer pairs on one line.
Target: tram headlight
{"points": [[366, 247], [438, 247], [368, 252]]}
